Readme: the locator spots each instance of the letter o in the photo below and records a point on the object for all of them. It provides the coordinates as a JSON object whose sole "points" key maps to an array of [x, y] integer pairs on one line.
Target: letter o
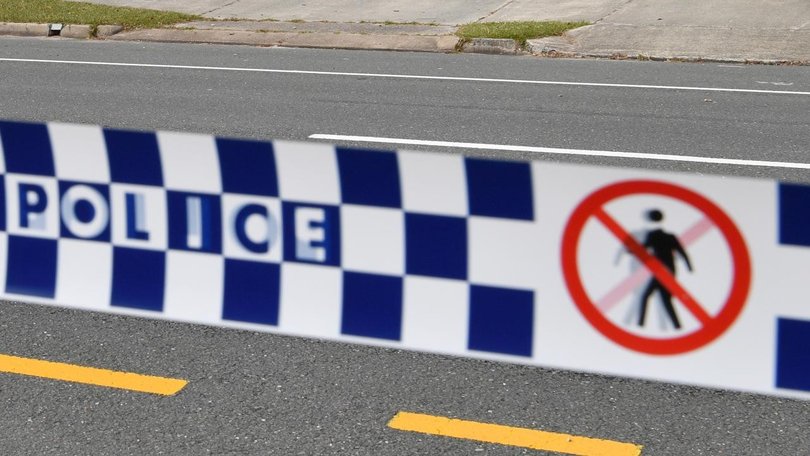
{"points": [[85, 229]]}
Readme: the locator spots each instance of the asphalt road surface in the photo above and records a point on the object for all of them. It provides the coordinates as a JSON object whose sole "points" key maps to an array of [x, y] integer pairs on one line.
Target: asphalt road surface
{"points": [[253, 393]]}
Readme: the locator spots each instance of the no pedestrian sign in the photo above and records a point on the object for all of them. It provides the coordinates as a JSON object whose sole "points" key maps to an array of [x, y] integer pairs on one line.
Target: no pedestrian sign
{"points": [[654, 252], [675, 277]]}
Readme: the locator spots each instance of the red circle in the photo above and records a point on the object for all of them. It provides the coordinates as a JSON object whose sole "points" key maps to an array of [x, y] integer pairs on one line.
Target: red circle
{"points": [[717, 325]]}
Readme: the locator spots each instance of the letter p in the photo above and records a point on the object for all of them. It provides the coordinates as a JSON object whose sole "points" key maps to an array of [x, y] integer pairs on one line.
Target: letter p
{"points": [[33, 202]]}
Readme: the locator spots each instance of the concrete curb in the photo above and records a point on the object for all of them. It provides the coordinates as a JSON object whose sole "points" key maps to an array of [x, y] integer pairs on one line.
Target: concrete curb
{"points": [[81, 32], [422, 43], [491, 46], [11, 28], [75, 31]]}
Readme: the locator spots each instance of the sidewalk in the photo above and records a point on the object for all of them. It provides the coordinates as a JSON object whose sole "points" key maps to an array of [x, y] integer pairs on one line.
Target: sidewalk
{"points": [[446, 12], [716, 30], [724, 30]]}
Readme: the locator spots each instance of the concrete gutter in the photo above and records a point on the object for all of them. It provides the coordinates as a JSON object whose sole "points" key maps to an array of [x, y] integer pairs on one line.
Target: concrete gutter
{"points": [[331, 35], [423, 43]]}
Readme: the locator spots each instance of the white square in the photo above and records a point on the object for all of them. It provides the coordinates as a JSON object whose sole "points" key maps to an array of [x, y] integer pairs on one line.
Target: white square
{"points": [[194, 287], [436, 315], [311, 300], [260, 228], [190, 162], [373, 239], [505, 253], [79, 153], [433, 183], [39, 216], [84, 274], [139, 216], [307, 172]]}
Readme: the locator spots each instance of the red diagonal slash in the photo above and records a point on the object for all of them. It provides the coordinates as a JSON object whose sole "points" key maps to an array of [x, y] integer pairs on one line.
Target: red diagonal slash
{"points": [[654, 266]]}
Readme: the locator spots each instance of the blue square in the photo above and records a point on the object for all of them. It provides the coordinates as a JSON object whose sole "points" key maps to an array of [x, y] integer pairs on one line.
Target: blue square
{"points": [[794, 214], [247, 167], [134, 157], [320, 241], [31, 266], [793, 354], [27, 148], [90, 215], [501, 320], [138, 279], [195, 222], [369, 177], [372, 306], [436, 246], [252, 292], [499, 189]]}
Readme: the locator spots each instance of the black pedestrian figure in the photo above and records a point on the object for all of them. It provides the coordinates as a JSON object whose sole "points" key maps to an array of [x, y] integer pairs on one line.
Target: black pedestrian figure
{"points": [[662, 245]]}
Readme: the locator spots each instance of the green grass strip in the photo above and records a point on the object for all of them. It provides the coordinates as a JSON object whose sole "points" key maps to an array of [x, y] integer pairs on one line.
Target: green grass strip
{"points": [[518, 31], [62, 12]]}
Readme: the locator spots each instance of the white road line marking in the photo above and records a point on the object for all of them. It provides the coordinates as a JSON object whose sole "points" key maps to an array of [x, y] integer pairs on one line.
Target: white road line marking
{"points": [[410, 76], [555, 151], [775, 83]]}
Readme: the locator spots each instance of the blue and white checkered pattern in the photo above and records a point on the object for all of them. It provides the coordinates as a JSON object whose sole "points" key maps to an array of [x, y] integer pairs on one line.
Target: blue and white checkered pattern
{"points": [[304, 239], [440, 253]]}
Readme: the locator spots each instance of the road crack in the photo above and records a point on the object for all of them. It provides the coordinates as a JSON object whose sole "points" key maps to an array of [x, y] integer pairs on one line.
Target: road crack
{"points": [[492, 13], [222, 7], [615, 10]]}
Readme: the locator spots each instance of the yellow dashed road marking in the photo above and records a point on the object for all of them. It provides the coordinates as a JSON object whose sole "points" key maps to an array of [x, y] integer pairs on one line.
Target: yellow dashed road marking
{"points": [[514, 436], [91, 375]]}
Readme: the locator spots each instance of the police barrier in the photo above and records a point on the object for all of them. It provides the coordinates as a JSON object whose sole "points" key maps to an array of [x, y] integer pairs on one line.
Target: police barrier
{"points": [[665, 276]]}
